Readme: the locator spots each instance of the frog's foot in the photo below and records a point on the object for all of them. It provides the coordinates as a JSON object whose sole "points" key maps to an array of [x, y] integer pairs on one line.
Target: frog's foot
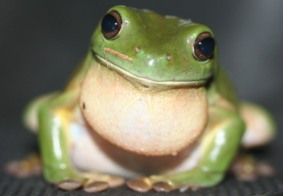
{"points": [[29, 166], [92, 182], [246, 168], [144, 184], [182, 181]]}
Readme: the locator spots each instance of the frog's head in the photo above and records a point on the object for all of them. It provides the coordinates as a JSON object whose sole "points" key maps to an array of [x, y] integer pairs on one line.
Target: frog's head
{"points": [[153, 49], [172, 56]]}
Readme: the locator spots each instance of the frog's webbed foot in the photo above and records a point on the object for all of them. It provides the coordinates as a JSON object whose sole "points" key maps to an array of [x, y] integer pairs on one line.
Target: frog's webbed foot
{"points": [[247, 168], [100, 182], [183, 181], [145, 184], [29, 166], [92, 182]]}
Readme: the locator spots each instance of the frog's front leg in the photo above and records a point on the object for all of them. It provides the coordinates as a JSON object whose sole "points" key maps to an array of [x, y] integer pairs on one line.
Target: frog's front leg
{"points": [[55, 119], [218, 148]]}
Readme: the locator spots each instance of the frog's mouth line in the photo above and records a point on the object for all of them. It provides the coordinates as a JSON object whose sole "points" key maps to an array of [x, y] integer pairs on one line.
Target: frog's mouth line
{"points": [[150, 82]]}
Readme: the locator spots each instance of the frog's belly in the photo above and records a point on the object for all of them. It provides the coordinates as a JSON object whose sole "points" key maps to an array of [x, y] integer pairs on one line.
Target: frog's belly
{"points": [[92, 153]]}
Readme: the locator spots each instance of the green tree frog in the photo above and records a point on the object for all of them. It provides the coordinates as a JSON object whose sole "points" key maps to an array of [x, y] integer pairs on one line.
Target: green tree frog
{"points": [[149, 104]]}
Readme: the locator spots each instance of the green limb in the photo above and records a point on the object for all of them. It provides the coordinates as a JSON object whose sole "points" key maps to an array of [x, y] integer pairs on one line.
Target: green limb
{"points": [[54, 120], [218, 148], [222, 140]]}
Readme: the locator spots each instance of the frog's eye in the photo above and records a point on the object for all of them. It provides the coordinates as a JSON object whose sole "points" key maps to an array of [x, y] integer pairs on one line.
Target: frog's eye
{"points": [[111, 24], [204, 46]]}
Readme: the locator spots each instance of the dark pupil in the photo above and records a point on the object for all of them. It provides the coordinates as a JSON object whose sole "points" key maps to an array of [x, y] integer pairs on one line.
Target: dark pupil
{"points": [[206, 46], [109, 24]]}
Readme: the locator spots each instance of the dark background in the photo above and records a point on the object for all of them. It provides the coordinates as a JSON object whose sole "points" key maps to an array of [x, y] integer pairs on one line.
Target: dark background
{"points": [[42, 41]]}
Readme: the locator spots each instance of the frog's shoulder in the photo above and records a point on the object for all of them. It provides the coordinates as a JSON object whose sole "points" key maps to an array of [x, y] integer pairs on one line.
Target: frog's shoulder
{"points": [[220, 85], [80, 72]]}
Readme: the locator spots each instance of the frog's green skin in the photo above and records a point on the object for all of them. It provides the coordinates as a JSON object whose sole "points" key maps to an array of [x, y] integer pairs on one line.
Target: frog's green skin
{"points": [[153, 54]]}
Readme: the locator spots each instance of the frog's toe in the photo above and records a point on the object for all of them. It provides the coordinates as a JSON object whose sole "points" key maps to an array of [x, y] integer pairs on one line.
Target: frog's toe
{"points": [[29, 166], [116, 181], [246, 168], [142, 184], [90, 182], [145, 184], [96, 186], [163, 187], [69, 185], [157, 183], [160, 184], [166, 183], [168, 186], [98, 183]]}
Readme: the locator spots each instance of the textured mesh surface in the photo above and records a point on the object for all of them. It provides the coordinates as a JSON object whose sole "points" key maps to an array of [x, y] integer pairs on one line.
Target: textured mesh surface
{"points": [[37, 186]]}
